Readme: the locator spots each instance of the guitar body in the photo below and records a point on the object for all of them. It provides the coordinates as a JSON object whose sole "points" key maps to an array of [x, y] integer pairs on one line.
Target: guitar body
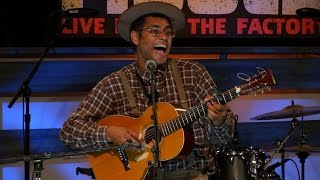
{"points": [[108, 165]]}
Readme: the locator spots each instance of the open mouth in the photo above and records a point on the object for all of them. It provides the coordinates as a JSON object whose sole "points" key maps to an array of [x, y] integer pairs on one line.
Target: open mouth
{"points": [[161, 48]]}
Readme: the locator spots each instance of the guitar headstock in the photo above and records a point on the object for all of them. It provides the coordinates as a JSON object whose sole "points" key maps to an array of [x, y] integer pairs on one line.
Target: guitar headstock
{"points": [[257, 83]]}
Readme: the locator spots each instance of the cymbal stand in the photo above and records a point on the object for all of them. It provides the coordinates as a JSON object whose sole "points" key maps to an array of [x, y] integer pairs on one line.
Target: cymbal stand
{"points": [[38, 167], [294, 124], [302, 155]]}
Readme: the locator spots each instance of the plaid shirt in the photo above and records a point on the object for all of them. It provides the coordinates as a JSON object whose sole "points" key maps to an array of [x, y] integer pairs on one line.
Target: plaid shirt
{"points": [[108, 97]]}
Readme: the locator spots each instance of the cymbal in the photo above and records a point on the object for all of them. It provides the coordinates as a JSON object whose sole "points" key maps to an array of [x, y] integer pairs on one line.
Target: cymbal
{"points": [[289, 112], [302, 148]]}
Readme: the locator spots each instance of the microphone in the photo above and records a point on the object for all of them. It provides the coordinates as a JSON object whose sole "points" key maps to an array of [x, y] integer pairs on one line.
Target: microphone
{"points": [[150, 65], [275, 165], [81, 12]]}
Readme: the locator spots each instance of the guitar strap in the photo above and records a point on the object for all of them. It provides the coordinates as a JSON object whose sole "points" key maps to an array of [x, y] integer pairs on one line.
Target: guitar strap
{"points": [[178, 80], [184, 104], [132, 102]]}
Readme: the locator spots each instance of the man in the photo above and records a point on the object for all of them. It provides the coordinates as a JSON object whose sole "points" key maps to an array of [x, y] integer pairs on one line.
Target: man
{"points": [[150, 27]]}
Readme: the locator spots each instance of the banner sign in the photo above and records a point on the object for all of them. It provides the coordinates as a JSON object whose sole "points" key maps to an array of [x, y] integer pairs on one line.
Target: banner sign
{"points": [[227, 19]]}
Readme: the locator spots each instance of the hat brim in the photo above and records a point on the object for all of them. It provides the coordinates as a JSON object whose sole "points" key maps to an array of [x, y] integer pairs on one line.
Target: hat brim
{"points": [[174, 14]]}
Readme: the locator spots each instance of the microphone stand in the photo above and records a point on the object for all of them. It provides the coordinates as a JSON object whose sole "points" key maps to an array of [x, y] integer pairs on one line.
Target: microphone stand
{"points": [[235, 139], [26, 91], [156, 148]]}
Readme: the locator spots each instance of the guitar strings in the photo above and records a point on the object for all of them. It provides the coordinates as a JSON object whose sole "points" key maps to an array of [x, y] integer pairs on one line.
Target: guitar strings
{"points": [[176, 123]]}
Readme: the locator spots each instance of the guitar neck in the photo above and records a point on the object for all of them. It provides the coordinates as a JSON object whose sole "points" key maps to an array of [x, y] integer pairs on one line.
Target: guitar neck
{"points": [[227, 96], [185, 119], [197, 112]]}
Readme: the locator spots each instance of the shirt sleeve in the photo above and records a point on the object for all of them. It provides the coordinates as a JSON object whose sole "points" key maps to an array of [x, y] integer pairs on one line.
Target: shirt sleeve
{"points": [[221, 135], [81, 129], [217, 135]]}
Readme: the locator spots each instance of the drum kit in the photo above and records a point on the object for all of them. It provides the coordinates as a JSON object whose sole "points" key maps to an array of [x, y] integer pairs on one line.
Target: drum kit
{"points": [[252, 163]]}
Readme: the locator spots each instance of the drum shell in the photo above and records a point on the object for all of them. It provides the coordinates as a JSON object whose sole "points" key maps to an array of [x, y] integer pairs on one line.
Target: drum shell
{"points": [[232, 165]]}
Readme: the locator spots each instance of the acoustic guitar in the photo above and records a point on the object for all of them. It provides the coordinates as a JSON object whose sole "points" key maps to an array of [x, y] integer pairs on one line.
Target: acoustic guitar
{"points": [[134, 164]]}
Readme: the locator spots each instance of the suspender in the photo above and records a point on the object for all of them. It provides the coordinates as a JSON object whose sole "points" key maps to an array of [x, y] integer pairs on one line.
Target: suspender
{"points": [[177, 78], [132, 102]]}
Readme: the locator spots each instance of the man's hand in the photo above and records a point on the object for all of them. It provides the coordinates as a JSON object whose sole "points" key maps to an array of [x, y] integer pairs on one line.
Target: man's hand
{"points": [[217, 113], [121, 135]]}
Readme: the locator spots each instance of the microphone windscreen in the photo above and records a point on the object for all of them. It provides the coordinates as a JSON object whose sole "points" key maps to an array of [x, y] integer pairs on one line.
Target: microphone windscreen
{"points": [[150, 65]]}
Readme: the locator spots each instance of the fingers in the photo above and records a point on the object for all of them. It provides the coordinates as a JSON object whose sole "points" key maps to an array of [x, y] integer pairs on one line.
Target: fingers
{"points": [[208, 98], [216, 111], [129, 137], [121, 135], [217, 108]]}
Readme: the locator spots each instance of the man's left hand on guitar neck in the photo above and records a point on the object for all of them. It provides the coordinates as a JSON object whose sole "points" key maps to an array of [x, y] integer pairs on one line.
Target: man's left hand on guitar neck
{"points": [[217, 113]]}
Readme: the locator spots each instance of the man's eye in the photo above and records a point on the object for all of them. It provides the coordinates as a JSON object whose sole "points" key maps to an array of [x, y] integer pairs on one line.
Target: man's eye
{"points": [[155, 31]]}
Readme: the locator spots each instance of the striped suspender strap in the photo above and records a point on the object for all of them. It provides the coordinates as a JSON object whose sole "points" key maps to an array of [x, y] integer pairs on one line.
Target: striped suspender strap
{"points": [[132, 102], [178, 80]]}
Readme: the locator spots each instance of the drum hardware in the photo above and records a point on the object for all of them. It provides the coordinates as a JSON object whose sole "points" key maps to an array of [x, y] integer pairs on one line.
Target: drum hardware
{"points": [[293, 112], [280, 144], [256, 160]]}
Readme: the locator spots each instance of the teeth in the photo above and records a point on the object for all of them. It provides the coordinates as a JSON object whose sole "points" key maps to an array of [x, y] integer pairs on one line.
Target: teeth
{"points": [[161, 46]]}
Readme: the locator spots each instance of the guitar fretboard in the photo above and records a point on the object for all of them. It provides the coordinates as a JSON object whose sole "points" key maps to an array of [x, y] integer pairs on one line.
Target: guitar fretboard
{"points": [[184, 120], [197, 112], [227, 96]]}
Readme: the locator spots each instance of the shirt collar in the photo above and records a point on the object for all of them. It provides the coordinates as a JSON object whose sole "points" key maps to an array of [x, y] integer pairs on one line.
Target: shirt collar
{"points": [[146, 75]]}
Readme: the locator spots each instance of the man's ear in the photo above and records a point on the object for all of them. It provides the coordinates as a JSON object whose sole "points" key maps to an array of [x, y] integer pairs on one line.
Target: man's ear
{"points": [[134, 37]]}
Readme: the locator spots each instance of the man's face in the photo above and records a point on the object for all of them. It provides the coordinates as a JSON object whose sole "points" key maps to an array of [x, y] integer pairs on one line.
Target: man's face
{"points": [[153, 41]]}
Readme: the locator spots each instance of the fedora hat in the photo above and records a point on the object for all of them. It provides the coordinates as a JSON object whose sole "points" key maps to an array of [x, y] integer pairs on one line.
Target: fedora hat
{"points": [[174, 14]]}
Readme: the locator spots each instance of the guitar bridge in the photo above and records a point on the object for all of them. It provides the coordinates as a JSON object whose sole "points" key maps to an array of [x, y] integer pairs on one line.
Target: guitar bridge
{"points": [[124, 158]]}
